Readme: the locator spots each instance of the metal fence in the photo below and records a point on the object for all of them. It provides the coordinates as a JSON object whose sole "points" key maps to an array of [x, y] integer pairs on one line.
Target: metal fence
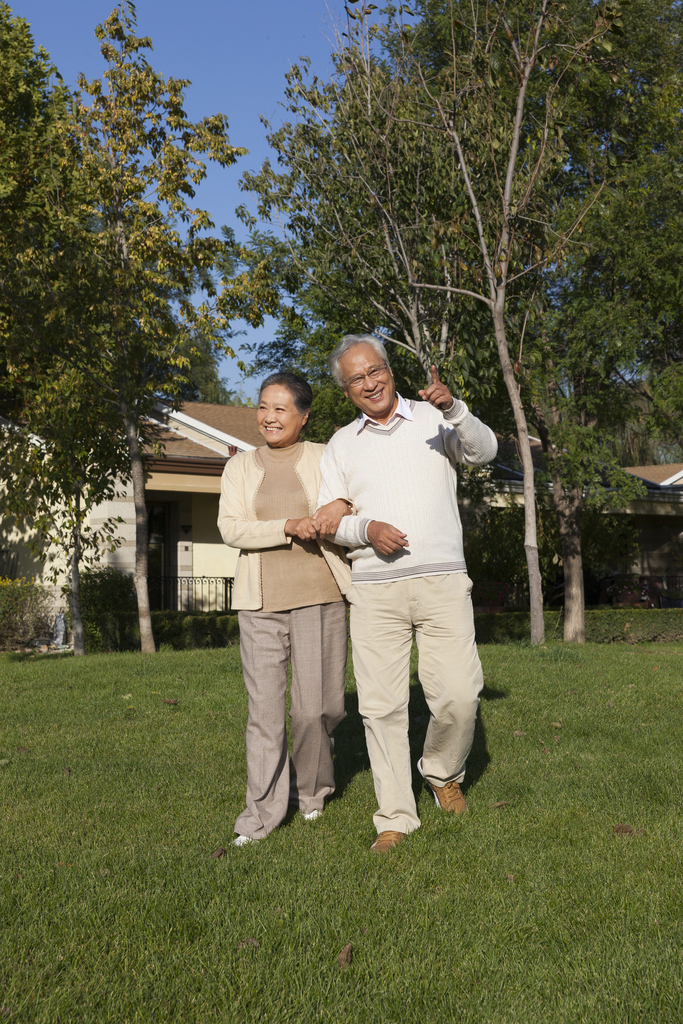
{"points": [[190, 593]]}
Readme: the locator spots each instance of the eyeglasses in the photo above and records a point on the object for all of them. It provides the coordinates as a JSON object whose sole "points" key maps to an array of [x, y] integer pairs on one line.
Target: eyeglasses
{"points": [[375, 372]]}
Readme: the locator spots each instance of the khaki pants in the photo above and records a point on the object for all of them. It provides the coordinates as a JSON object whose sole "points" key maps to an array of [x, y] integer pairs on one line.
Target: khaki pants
{"points": [[383, 616], [315, 639]]}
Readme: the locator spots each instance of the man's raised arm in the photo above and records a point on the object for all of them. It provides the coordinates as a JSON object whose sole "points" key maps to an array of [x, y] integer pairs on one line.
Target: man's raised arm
{"points": [[470, 441]]}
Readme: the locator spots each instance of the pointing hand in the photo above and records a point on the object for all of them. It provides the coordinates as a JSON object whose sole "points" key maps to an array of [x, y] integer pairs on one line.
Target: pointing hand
{"points": [[437, 394]]}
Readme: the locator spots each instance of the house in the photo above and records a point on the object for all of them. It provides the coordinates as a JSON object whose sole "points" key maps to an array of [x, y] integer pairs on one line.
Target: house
{"points": [[190, 567], [658, 513], [659, 516]]}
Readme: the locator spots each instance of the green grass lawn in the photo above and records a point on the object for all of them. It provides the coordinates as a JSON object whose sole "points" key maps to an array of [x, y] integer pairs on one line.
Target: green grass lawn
{"points": [[528, 909]]}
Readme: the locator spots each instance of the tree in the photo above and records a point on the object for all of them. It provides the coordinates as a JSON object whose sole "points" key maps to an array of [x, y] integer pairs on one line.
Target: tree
{"points": [[360, 210], [126, 316], [423, 193], [140, 158], [60, 461], [61, 452], [202, 381], [608, 308], [504, 95]]}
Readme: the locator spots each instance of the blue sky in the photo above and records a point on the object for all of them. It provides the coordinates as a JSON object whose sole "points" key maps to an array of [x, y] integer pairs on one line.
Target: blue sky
{"points": [[235, 53]]}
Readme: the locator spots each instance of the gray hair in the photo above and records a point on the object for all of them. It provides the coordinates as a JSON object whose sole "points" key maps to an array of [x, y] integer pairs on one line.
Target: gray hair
{"points": [[348, 342]]}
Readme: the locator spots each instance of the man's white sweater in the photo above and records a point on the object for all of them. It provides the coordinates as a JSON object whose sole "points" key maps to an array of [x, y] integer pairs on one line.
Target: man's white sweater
{"points": [[404, 474]]}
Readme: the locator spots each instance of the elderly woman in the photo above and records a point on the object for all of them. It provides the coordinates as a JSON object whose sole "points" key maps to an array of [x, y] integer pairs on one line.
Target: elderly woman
{"points": [[289, 590]]}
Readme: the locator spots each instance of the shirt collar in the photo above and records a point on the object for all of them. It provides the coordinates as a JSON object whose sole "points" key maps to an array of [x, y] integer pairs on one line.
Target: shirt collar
{"points": [[402, 409]]}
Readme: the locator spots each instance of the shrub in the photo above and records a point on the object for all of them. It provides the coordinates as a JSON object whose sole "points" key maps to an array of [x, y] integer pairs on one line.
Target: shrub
{"points": [[603, 625], [182, 631], [24, 611], [107, 598], [627, 585]]}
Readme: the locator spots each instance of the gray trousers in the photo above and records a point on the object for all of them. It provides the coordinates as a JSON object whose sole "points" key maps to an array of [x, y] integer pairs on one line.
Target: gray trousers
{"points": [[315, 640]]}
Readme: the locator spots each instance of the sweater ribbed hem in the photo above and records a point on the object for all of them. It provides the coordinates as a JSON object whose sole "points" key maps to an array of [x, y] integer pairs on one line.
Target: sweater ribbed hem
{"points": [[394, 573]]}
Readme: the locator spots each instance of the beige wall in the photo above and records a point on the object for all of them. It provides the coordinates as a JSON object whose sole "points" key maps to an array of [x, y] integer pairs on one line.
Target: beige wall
{"points": [[30, 566], [17, 540], [211, 557]]}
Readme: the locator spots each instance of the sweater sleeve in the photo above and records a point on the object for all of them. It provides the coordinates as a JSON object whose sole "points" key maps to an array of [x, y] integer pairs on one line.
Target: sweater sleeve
{"points": [[468, 440], [351, 531], [234, 524]]}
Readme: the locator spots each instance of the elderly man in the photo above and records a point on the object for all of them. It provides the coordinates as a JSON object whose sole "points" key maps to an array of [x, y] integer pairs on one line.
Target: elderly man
{"points": [[396, 462]]}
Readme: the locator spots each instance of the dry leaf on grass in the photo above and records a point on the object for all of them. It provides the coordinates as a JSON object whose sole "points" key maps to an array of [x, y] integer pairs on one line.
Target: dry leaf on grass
{"points": [[170, 700], [518, 733], [248, 942], [501, 803], [345, 957], [22, 750], [626, 830], [67, 771], [220, 852], [511, 879]]}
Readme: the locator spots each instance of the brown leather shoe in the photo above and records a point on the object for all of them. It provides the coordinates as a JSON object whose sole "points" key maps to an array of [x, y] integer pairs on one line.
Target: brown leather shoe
{"points": [[449, 797], [386, 840]]}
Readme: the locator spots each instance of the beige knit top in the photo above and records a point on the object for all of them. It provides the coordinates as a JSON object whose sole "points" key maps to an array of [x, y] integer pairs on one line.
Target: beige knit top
{"points": [[296, 575]]}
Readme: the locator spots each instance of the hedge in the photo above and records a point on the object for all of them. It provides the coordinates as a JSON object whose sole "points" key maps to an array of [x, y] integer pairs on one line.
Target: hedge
{"points": [[182, 631], [603, 625], [24, 612]]}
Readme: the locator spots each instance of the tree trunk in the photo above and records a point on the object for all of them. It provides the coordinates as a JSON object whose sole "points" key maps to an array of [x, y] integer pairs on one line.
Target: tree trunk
{"points": [[75, 589], [147, 644], [568, 507], [530, 534]]}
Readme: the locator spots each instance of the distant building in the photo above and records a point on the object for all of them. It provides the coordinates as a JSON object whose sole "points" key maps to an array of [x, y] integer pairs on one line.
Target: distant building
{"points": [[182, 489]]}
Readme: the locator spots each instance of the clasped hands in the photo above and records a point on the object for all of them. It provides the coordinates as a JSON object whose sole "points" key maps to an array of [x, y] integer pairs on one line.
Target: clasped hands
{"points": [[323, 523]]}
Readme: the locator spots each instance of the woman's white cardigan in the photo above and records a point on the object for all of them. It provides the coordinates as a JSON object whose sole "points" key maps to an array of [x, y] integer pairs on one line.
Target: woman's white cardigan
{"points": [[241, 529]]}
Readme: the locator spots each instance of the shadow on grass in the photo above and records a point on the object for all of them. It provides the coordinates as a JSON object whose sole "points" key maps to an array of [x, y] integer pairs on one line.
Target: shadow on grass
{"points": [[351, 755], [350, 751], [19, 656]]}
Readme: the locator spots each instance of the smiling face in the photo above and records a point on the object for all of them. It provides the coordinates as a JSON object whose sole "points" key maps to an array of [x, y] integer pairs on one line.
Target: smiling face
{"points": [[278, 418], [374, 395]]}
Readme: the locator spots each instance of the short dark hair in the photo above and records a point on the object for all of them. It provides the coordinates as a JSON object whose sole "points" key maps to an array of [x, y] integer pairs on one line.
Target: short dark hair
{"points": [[299, 389]]}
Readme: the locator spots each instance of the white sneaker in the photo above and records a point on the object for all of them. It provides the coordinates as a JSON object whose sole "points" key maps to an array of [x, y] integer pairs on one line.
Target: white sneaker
{"points": [[242, 841], [313, 816]]}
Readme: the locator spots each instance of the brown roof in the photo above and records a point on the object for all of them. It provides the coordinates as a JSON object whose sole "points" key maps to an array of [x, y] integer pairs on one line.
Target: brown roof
{"points": [[178, 447], [657, 474], [237, 420]]}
